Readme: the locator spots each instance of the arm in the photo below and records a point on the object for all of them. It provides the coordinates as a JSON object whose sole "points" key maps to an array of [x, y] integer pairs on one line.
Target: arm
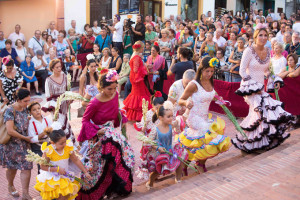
{"points": [[12, 132], [118, 64], [180, 40], [202, 48], [294, 74], [46, 49], [171, 70], [230, 59], [84, 103], [82, 82], [79, 164], [31, 51], [195, 44], [2, 92], [188, 92], [246, 58]]}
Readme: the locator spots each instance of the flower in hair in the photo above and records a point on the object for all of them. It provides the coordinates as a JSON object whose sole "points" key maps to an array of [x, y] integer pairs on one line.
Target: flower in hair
{"points": [[260, 26], [168, 105], [156, 44], [5, 60], [112, 76], [103, 71], [56, 125], [90, 57], [213, 62], [136, 46], [157, 94]]}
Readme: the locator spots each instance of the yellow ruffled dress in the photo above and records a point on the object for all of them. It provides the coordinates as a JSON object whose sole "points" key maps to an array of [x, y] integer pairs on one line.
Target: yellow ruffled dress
{"points": [[52, 185], [203, 139]]}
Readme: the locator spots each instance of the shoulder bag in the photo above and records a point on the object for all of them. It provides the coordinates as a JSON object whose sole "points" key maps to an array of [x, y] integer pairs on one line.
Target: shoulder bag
{"points": [[4, 136]]}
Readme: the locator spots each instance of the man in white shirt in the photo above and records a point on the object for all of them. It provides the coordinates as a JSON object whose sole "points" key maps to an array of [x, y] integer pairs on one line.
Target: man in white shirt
{"points": [[77, 30], [16, 35], [280, 34], [296, 26], [2, 41], [117, 31], [35, 43], [40, 65], [219, 39], [51, 30]]}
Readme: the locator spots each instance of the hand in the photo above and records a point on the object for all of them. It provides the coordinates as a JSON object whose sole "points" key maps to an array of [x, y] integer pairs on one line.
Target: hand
{"points": [[161, 150], [277, 86], [88, 176], [101, 131], [157, 73], [27, 139], [189, 104], [5, 99], [62, 171]]}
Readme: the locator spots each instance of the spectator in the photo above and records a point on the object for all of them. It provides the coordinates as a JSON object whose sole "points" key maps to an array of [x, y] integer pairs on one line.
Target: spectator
{"points": [[165, 44], [97, 54], [147, 21], [87, 42], [96, 28], [116, 61], [296, 25], [10, 80], [2, 41], [35, 43], [208, 47], [60, 45], [117, 30], [78, 31], [287, 39], [139, 30], [235, 60], [221, 42], [260, 14], [278, 61], [52, 31], [280, 34], [16, 35], [21, 50], [223, 62], [181, 31], [246, 37], [157, 30], [150, 35], [28, 72], [49, 46], [199, 40], [44, 36], [295, 46], [187, 39], [104, 40], [231, 44], [124, 74], [173, 41], [15, 150], [86, 28], [147, 51], [74, 40], [52, 56], [11, 52], [283, 18], [178, 68], [40, 65], [292, 70], [71, 65], [127, 42], [275, 27], [272, 52], [105, 60]]}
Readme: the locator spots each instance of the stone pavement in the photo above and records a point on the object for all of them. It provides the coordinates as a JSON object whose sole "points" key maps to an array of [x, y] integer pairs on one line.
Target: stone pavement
{"points": [[272, 174]]}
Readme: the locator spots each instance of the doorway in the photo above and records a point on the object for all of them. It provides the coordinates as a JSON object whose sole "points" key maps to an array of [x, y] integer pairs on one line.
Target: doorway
{"points": [[151, 7], [99, 9], [189, 9]]}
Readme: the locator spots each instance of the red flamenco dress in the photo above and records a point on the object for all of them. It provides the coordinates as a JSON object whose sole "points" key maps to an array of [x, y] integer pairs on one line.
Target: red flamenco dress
{"points": [[139, 91]]}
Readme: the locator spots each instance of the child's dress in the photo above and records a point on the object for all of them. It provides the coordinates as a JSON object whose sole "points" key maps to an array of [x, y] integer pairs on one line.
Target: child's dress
{"points": [[50, 184]]}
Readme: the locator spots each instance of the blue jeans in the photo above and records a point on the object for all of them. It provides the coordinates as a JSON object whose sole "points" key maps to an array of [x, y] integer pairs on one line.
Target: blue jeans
{"points": [[127, 88]]}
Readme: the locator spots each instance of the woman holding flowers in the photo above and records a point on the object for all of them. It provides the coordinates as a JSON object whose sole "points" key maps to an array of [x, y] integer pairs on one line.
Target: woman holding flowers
{"points": [[139, 91], [202, 139], [109, 157], [56, 85]]}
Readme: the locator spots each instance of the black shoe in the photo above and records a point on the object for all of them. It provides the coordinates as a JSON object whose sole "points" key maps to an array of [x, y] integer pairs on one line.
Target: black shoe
{"points": [[38, 93]]}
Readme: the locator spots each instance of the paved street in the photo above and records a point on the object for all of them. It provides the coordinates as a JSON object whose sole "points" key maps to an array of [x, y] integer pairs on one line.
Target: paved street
{"points": [[271, 175]]}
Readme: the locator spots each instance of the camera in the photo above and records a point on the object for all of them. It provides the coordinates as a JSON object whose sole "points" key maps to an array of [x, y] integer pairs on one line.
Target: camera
{"points": [[104, 23], [129, 23]]}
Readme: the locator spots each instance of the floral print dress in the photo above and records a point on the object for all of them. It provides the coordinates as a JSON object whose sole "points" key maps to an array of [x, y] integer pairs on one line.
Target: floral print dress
{"points": [[13, 153], [10, 86]]}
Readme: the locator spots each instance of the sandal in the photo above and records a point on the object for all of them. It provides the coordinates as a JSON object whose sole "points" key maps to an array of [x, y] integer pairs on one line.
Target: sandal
{"points": [[185, 172], [201, 165], [13, 192], [148, 186]]}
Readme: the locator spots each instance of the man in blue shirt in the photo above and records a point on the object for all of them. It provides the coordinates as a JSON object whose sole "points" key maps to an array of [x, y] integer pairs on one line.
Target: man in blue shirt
{"points": [[2, 41], [103, 40]]}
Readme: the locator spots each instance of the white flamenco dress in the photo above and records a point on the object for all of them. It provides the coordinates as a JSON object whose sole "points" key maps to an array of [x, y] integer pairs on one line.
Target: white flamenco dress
{"points": [[267, 122], [203, 139]]}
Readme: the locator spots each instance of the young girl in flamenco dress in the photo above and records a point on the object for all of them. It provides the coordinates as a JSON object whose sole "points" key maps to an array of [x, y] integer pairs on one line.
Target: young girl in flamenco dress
{"points": [[52, 182], [165, 163], [202, 139], [133, 103]]}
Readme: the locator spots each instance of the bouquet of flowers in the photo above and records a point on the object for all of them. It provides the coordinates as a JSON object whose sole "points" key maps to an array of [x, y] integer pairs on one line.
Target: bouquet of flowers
{"points": [[272, 74], [33, 157]]}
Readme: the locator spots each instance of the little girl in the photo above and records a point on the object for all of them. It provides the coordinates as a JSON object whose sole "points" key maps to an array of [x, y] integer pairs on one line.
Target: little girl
{"points": [[149, 129], [52, 182], [165, 163], [36, 127], [125, 70], [71, 65]]}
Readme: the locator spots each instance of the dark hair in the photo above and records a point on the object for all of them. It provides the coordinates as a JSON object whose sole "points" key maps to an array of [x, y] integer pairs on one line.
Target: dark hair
{"points": [[294, 56], [8, 41], [172, 31], [247, 35], [97, 45], [191, 32], [116, 49], [290, 25], [63, 32], [86, 25], [10, 63], [157, 100], [222, 51], [157, 49], [103, 83], [90, 62], [160, 112], [235, 33], [201, 28], [16, 43], [211, 26], [183, 24], [55, 135], [204, 65], [148, 42], [184, 52], [48, 37], [53, 63], [33, 104], [21, 94]]}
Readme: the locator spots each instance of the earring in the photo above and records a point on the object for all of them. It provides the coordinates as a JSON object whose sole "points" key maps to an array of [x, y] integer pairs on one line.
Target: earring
{"points": [[201, 77]]}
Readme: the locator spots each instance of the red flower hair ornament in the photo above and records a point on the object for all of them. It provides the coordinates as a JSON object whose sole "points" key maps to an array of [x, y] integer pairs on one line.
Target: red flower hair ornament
{"points": [[103, 71], [5, 60], [156, 44], [136, 46], [157, 94]]}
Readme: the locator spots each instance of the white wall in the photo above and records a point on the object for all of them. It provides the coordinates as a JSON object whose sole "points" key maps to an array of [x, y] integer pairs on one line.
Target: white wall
{"points": [[209, 5], [231, 5], [279, 4], [75, 9], [172, 9]]}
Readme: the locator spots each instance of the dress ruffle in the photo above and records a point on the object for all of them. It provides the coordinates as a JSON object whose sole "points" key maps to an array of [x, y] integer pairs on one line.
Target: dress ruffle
{"points": [[49, 106], [134, 106], [271, 81], [249, 87], [209, 144], [265, 124]]}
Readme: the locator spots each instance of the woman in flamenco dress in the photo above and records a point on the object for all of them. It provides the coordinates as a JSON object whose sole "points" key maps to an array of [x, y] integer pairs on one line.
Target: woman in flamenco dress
{"points": [[203, 139], [133, 103], [267, 122]]}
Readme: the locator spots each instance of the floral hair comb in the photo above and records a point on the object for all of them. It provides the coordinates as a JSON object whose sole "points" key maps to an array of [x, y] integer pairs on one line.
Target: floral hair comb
{"points": [[112, 76], [213, 62], [5, 60]]}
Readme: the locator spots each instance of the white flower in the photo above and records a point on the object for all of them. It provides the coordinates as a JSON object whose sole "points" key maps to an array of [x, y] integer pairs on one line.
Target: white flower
{"points": [[56, 125], [90, 56], [168, 105]]}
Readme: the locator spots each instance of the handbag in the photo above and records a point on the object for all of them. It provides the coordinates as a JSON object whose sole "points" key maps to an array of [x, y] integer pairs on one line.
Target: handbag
{"points": [[4, 136], [80, 111]]}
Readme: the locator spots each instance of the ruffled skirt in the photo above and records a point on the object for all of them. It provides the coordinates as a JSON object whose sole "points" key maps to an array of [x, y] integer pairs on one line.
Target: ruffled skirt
{"points": [[206, 145], [51, 187], [265, 125]]}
